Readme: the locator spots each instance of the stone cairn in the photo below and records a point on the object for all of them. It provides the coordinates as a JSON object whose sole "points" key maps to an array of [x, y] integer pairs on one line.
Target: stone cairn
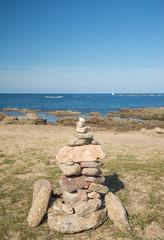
{"points": [[81, 206], [79, 203]]}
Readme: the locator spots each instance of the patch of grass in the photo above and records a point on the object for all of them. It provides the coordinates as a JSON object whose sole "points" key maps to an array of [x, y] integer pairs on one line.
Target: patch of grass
{"points": [[7, 161], [2, 155]]}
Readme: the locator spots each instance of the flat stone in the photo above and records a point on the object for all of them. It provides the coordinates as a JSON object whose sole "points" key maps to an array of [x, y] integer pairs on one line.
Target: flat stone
{"points": [[94, 179], [79, 142], [82, 195], [70, 197], [84, 135], [73, 223], [91, 172], [84, 208], [98, 188], [72, 184], [94, 195], [80, 153], [117, 212], [91, 164], [74, 169], [39, 207], [83, 129]]}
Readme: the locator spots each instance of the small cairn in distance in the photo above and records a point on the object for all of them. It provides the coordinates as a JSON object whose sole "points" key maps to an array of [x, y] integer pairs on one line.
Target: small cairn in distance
{"points": [[80, 205]]}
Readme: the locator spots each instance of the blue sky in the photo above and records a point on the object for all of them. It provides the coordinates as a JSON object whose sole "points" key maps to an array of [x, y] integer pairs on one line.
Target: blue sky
{"points": [[84, 46]]}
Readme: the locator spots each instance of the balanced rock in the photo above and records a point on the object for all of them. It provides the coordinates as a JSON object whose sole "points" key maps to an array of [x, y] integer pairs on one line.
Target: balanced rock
{"points": [[83, 129], [39, 205], [98, 188], [117, 212], [82, 195], [79, 142], [73, 223], [84, 135], [80, 153], [94, 179], [70, 197], [91, 171], [91, 164], [70, 170], [84, 208], [72, 184], [94, 195]]}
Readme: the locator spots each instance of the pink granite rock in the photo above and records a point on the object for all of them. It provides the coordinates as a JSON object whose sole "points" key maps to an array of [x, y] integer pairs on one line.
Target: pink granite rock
{"points": [[80, 153], [94, 179], [72, 184]]}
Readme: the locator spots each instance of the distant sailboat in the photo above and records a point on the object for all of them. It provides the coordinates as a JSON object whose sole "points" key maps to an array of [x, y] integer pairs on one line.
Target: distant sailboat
{"points": [[112, 93]]}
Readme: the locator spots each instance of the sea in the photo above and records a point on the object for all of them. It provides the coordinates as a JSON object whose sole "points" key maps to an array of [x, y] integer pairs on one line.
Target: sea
{"points": [[84, 103]]}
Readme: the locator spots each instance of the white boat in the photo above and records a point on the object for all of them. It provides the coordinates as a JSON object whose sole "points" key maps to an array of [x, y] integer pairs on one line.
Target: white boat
{"points": [[112, 93]]}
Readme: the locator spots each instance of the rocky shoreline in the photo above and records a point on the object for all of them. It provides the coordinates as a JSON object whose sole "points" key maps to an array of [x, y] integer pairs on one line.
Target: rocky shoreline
{"points": [[122, 120]]}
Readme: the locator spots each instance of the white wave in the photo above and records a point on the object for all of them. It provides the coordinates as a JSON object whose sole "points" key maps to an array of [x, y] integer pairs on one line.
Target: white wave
{"points": [[53, 97]]}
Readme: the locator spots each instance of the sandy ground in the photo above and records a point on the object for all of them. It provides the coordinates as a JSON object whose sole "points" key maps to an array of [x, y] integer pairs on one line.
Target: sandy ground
{"points": [[126, 153]]}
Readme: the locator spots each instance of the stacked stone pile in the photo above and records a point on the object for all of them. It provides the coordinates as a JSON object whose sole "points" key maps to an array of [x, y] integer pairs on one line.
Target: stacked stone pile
{"points": [[82, 204]]}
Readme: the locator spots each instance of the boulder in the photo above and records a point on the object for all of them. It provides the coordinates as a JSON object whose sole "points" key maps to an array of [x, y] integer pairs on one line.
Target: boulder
{"points": [[117, 212], [2, 116], [33, 118], [70, 170], [73, 223], [80, 153], [10, 120], [40, 202]]}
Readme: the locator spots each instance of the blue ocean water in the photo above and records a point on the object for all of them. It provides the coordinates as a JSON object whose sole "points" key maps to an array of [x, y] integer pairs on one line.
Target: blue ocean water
{"points": [[84, 103]]}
